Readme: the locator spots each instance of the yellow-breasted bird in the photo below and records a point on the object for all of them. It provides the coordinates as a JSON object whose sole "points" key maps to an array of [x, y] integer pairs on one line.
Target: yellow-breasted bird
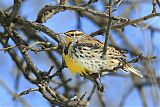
{"points": [[83, 55]]}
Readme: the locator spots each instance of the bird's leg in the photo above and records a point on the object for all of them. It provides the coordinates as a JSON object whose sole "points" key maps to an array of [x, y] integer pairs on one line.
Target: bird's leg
{"points": [[98, 83], [97, 80]]}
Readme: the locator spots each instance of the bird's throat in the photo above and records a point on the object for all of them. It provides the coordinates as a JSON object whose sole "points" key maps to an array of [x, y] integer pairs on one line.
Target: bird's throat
{"points": [[68, 40]]}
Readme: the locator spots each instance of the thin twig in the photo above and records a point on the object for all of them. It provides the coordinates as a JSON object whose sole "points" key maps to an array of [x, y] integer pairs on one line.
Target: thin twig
{"points": [[101, 99], [101, 31], [137, 83], [108, 29], [135, 21], [81, 98], [154, 6], [62, 84], [117, 3], [91, 94], [125, 95], [7, 48], [13, 94], [26, 92], [88, 3]]}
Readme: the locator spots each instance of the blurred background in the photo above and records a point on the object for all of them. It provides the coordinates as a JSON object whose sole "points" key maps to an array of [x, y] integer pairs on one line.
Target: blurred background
{"points": [[121, 89]]}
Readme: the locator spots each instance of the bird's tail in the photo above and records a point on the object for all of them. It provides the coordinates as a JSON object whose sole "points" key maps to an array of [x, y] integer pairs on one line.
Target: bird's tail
{"points": [[129, 67]]}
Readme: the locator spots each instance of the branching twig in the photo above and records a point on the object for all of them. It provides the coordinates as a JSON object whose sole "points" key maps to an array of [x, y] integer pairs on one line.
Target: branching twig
{"points": [[56, 98], [42, 28], [19, 62], [84, 9], [15, 10], [135, 21], [117, 2], [101, 31], [19, 41], [44, 47]]}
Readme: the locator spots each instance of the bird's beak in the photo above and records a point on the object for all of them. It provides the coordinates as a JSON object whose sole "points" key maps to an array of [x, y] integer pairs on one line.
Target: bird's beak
{"points": [[61, 34]]}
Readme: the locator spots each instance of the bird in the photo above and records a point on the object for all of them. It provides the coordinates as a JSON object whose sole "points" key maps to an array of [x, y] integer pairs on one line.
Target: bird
{"points": [[83, 54]]}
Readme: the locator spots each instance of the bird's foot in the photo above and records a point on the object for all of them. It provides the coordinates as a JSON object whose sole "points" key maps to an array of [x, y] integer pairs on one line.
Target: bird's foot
{"points": [[99, 85]]}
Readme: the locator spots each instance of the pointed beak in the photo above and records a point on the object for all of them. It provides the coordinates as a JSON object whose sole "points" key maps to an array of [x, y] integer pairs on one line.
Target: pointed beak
{"points": [[61, 34]]}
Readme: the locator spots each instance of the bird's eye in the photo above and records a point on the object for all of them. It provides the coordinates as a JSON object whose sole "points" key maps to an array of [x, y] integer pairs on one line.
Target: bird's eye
{"points": [[72, 34]]}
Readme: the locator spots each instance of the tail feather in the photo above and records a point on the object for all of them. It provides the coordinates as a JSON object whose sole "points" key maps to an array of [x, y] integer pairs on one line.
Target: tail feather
{"points": [[129, 68]]}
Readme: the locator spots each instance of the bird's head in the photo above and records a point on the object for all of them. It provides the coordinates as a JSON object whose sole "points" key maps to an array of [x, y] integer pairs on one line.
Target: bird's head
{"points": [[73, 36]]}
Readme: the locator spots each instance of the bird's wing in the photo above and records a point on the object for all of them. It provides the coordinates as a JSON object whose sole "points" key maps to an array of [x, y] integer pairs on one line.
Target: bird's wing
{"points": [[88, 51], [96, 45]]}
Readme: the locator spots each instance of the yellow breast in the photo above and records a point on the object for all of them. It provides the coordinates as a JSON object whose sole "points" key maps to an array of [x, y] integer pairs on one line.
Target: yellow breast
{"points": [[73, 64]]}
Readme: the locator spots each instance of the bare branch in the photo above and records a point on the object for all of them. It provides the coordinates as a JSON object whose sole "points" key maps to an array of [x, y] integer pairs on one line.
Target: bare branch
{"points": [[19, 41], [15, 10], [42, 28]]}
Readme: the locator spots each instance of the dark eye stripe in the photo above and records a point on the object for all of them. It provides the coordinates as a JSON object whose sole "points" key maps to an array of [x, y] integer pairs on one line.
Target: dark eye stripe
{"points": [[76, 34]]}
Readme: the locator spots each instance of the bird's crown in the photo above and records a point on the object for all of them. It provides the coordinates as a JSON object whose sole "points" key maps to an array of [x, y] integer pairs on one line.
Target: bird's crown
{"points": [[74, 33], [73, 36]]}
